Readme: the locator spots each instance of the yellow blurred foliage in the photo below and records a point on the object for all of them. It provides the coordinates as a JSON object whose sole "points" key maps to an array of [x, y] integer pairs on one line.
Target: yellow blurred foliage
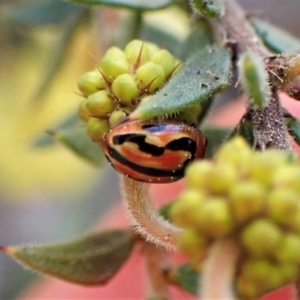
{"points": [[25, 170]]}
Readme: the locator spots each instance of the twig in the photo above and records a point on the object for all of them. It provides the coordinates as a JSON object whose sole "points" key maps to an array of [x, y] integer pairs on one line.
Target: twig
{"points": [[218, 271], [270, 129], [145, 218], [156, 262]]}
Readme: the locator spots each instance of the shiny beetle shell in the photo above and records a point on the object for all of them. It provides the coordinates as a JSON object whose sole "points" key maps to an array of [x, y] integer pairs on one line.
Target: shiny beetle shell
{"points": [[153, 152]]}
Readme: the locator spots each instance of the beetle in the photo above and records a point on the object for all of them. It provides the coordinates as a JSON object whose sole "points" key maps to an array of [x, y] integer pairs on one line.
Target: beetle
{"points": [[153, 152]]}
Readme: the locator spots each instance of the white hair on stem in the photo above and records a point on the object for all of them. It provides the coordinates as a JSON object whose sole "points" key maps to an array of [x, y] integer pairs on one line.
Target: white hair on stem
{"points": [[145, 218]]}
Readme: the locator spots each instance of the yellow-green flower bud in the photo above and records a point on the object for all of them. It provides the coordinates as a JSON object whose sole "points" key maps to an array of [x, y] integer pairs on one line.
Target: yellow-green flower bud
{"points": [[294, 222], [117, 116], [91, 82], [114, 63], [100, 104], [165, 59], [287, 176], [150, 76], [263, 165], [196, 174], [261, 238], [96, 128], [282, 204], [214, 218], [289, 249], [247, 200], [235, 152], [152, 48], [137, 53], [193, 244], [221, 178], [288, 272], [83, 112], [263, 273], [125, 89], [184, 212]]}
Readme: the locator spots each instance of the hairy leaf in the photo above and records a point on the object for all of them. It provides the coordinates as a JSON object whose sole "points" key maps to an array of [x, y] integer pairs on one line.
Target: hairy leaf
{"points": [[131, 4], [205, 74], [275, 38], [91, 260]]}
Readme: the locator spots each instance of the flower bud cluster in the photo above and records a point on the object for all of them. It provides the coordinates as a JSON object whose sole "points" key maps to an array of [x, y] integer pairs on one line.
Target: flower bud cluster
{"points": [[252, 197], [123, 80]]}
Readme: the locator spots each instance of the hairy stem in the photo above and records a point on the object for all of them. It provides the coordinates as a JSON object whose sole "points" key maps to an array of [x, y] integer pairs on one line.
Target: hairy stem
{"points": [[269, 124], [145, 218], [218, 271]]}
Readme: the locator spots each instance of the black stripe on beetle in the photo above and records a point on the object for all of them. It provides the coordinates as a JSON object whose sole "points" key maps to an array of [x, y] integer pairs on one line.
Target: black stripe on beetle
{"points": [[146, 170]]}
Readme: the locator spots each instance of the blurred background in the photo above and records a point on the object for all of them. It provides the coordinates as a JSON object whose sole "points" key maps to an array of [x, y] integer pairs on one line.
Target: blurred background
{"points": [[48, 194]]}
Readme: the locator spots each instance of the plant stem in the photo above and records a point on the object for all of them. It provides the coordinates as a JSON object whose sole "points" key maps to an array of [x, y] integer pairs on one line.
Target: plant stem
{"points": [[269, 124], [144, 217], [156, 263], [219, 270]]}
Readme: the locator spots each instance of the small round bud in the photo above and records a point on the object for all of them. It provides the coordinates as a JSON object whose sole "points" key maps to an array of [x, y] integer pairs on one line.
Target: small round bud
{"points": [[263, 165], [184, 212], [100, 104], [214, 218], [221, 178], [117, 116], [137, 53], [289, 249], [165, 59], [261, 238], [114, 64], [91, 82], [282, 204], [196, 174], [247, 200], [83, 112], [263, 273], [193, 244], [150, 76], [152, 48], [288, 272], [96, 128], [294, 222], [236, 152], [287, 176], [125, 89]]}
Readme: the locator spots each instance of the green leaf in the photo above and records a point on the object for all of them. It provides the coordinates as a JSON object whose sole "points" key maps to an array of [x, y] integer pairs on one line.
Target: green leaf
{"points": [[91, 260], [46, 140], [76, 140], [215, 138], [38, 13], [244, 129], [293, 126], [131, 4], [275, 38], [205, 74], [188, 279]]}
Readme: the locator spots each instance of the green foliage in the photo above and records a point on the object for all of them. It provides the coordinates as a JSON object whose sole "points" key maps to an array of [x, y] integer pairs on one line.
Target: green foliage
{"points": [[90, 260], [204, 74], [131, 4]]}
